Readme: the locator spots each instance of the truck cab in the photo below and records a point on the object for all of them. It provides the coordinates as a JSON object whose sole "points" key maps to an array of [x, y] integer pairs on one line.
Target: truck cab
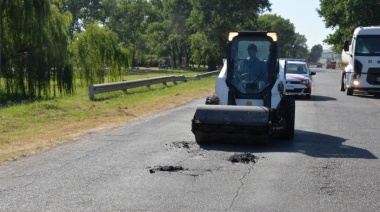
{"points": [[362, 56], [330, 64]]}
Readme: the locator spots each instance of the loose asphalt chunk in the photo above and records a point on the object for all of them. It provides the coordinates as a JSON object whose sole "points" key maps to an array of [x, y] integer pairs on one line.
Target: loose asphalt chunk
{"points": [[183, 144], [166, 169], [243, 158]]}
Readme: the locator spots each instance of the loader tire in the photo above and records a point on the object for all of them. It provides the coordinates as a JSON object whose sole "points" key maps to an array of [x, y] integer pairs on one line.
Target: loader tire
{"points": [[349, 91], [200, 139], [212, 100], [289, 111], [263, 140]]}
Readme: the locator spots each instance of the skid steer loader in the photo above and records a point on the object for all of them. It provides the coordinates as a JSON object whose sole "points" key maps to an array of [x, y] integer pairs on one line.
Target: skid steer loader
{"points": [[250, 104]]}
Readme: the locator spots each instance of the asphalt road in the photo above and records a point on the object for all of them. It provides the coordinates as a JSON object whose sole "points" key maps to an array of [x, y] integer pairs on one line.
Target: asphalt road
{"points": [[331, 165]]}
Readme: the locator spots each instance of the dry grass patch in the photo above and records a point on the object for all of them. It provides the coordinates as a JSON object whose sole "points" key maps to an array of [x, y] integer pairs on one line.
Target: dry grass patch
{"points": [[26, 129]]}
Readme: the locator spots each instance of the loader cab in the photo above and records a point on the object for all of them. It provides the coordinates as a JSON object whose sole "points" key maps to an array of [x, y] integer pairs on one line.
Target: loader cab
{"points": [[251, 65]]}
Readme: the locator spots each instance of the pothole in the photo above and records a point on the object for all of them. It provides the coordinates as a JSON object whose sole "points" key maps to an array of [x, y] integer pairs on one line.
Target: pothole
{"points": [[183, 144], [188, 146], [166, 169], [243, 158]]}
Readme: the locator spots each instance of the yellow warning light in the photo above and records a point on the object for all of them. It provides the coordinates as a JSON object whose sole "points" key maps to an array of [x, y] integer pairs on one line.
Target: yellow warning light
{"points": [[231, 35], [273, 35]]}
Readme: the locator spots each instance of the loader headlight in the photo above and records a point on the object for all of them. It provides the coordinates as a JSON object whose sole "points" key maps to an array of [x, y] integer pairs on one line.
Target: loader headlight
{"points": [[197, 121], [231, 35], [273, 35]]}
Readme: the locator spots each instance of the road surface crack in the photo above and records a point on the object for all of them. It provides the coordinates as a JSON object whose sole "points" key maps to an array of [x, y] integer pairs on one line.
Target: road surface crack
{"points": [[241, 180]]}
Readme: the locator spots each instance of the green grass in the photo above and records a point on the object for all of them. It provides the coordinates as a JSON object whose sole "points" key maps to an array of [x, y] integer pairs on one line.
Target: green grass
{"points": [[27, 127]]}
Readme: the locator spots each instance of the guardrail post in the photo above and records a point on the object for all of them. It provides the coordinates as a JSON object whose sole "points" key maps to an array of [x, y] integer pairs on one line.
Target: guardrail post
{"points": [[91, 92], [124, 90]]}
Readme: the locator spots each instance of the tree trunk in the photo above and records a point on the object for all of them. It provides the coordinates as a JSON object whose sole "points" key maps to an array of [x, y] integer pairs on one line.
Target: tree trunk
{"points": [[174, 57], [211, 63], [180, 58]]}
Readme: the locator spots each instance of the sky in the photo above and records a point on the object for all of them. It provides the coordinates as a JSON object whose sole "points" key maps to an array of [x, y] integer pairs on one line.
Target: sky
{"points": [[303, 14]]}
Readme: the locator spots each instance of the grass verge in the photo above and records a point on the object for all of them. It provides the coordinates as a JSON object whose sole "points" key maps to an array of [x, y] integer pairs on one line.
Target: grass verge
{"points": [[28, 127]]}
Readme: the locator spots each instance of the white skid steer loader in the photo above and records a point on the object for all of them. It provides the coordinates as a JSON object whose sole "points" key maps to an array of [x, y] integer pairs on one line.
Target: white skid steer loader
{"points": [[250, 103]]}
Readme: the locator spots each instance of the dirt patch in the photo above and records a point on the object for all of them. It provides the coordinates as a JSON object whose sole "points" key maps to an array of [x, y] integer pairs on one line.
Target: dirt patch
{"points": [[166, 169], [243, 158], [40, 135]]}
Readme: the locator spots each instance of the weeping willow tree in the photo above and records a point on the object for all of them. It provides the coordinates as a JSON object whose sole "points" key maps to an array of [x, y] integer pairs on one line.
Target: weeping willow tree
{"points": [[33, 39], [98, 55]]}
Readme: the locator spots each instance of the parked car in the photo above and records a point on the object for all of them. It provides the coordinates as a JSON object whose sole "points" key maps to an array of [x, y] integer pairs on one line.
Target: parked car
{"points": [[319, 65], [298, 78], [162, 65]]}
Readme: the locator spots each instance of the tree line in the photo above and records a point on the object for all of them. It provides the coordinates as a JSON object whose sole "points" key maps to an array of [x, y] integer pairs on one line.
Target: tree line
{"points": [[47, 44], [345, 15]]}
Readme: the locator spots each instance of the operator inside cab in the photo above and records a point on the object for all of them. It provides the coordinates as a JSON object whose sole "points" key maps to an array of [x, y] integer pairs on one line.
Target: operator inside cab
{"points": [[252, 69]]}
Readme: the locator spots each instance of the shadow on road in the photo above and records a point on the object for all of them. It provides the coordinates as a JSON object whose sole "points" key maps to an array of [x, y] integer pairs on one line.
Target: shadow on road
{"points": [[309, 143], [315, 98], [363, 94]]}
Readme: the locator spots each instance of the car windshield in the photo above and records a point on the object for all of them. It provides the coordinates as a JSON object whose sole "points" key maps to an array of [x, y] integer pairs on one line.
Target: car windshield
{"points": [[296, 69], [367, 45], [250, 70]]}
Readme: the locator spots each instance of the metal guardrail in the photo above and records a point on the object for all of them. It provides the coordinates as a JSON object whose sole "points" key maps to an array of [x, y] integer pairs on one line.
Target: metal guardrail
{"points": [[207, 74], [116, 86]]}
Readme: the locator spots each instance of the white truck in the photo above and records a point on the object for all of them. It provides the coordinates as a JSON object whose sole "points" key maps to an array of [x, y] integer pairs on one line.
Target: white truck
{"points": [[362, 57]]}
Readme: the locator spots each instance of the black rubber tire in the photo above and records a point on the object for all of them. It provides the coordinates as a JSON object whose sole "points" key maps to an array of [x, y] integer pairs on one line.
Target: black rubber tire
{"points": [[289, 112], [212, 100], [342, 86], [200, 139], [263, 140], [349, 91]]}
